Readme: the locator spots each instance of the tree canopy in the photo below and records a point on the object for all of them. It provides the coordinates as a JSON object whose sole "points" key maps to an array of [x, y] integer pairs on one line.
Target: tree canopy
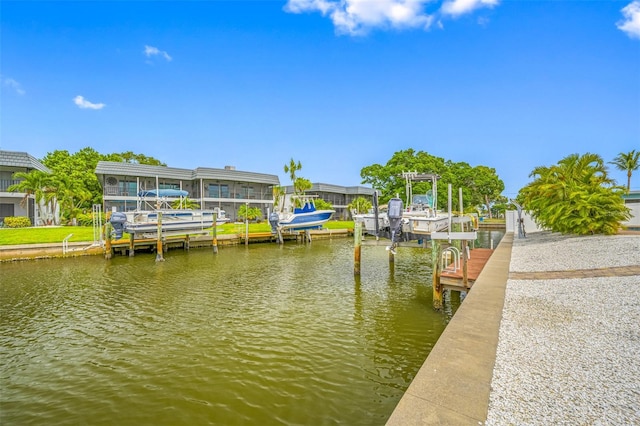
{"points": [[575, 196], [72, 183], [480, 185]]}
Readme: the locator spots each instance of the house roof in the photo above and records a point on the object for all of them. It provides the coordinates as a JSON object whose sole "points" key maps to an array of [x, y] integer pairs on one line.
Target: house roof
{"points": [[130, 169], [338, 189], [21, 159]]}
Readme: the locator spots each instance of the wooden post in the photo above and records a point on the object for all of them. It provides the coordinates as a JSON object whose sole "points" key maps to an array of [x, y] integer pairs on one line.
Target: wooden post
{"points": [[107, 240], [392, 257], [357, 247], [215, 234], [159, 254], [132, 246], [246, 218], [436, 260], [465, 261], [186, 242]]}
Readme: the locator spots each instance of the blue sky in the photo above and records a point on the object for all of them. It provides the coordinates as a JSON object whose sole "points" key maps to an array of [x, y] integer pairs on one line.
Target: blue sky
{"points": [[336, 85]]}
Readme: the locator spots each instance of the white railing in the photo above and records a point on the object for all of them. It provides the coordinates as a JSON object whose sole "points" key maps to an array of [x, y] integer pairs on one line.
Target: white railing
{"points": [[65, 244]]}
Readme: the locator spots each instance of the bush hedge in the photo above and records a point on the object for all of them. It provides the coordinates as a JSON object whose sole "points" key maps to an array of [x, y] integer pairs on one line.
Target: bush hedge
{"points": [[17, 222]]}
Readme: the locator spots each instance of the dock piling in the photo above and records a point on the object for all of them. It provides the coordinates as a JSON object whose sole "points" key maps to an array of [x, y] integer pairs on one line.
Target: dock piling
{"points": [[357, 247], [107, 241], [214, 243], [132, 245], [436, 260], [159, 254]]}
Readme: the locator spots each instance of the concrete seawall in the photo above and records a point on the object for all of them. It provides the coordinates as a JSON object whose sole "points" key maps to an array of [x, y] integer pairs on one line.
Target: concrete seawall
{"points": [[52, 250], [453, 385]]}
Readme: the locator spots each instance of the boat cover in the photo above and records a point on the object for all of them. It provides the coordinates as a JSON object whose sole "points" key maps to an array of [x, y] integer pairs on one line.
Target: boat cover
{"points": [[163, 193]]}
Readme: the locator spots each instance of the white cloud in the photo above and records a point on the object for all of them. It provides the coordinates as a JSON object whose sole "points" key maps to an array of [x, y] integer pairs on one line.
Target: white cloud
{"points": [[631, 22], [14, 85], [359, 16], [150, 51], [461, 7], [85, 104]]}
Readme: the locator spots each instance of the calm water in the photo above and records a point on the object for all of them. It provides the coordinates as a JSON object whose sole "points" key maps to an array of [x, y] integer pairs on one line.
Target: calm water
{"points": [[257, 335]]}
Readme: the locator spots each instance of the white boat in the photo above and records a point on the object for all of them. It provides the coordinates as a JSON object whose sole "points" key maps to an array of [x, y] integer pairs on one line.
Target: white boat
{"points": [[298, 212], [185, 220], [368, 220], [145, 222], [421, 218]]}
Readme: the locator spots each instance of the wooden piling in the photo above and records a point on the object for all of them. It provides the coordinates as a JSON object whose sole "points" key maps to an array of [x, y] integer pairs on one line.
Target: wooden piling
{"points": [[214, 243], [132, 246], [107, 241], [159, 254], [436, 260], [357, 247], [465, 264], [392, 256]]}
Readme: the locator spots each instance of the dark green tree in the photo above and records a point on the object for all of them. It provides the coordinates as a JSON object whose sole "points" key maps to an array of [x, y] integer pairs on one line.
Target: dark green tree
{"points": [[575, 196], [487, 185], [478, 184]]}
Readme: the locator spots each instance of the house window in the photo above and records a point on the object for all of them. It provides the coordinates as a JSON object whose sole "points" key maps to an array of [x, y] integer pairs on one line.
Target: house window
{"points": [[127, 188], [218, 191], [214, 190], [169, 186], [6, 210], [224, 191]]}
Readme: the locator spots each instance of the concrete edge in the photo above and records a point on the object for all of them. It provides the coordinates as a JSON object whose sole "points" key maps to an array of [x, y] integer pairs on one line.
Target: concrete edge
{"points": [[454, 383]]}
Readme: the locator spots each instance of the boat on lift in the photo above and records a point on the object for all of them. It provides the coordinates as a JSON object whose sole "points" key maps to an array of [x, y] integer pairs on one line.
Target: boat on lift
{"points": [[143, 222], [297, 213], [420, 217]]}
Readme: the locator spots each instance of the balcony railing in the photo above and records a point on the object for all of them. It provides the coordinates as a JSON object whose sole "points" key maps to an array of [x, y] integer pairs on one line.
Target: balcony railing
{"points": [[6, 183]]}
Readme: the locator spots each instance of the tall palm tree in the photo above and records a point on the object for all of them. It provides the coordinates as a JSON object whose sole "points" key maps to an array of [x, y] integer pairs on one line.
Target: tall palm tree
{"points": [[292, 168], [627, 162]]}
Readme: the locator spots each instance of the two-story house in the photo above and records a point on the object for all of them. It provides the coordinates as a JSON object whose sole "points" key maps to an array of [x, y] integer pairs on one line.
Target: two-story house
{"points": [[19, 203], [226, 189]]}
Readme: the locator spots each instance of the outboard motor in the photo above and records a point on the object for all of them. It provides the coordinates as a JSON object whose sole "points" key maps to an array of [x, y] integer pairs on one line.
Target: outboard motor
{"points": [[117, 221], [395, 219], [274, 221]]}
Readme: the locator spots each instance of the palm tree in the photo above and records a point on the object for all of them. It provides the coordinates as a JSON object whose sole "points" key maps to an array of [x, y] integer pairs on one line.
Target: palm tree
{"points": [[575, 196], [628, 162], [185, 203], [292, 168], [33, 184]]}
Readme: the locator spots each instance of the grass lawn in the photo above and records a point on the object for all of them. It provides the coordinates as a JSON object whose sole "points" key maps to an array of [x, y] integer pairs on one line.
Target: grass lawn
{"points": [[41, 235]]}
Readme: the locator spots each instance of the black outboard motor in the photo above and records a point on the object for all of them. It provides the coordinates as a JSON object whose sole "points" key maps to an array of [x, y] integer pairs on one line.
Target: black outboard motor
{"points": [[395, 219], [117, 221], [274, 220]]}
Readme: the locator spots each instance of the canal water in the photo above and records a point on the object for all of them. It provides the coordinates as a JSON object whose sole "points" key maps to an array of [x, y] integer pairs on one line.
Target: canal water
{"points": [[263, 334]]}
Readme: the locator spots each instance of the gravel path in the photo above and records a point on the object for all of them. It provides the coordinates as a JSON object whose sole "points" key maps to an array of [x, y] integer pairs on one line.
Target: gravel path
{"points": [[569, 348]]}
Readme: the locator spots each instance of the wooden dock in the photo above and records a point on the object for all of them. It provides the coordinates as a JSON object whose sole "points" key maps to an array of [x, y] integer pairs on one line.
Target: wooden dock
{"points": [[453, 280]]}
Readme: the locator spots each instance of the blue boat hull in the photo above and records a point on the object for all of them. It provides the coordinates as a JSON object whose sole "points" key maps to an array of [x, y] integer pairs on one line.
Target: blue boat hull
{"points": [[308, 220]]}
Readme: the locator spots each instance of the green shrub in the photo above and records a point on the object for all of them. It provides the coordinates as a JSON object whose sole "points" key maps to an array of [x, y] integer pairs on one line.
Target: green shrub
{"points": [[17, 222], [86, 219]]}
